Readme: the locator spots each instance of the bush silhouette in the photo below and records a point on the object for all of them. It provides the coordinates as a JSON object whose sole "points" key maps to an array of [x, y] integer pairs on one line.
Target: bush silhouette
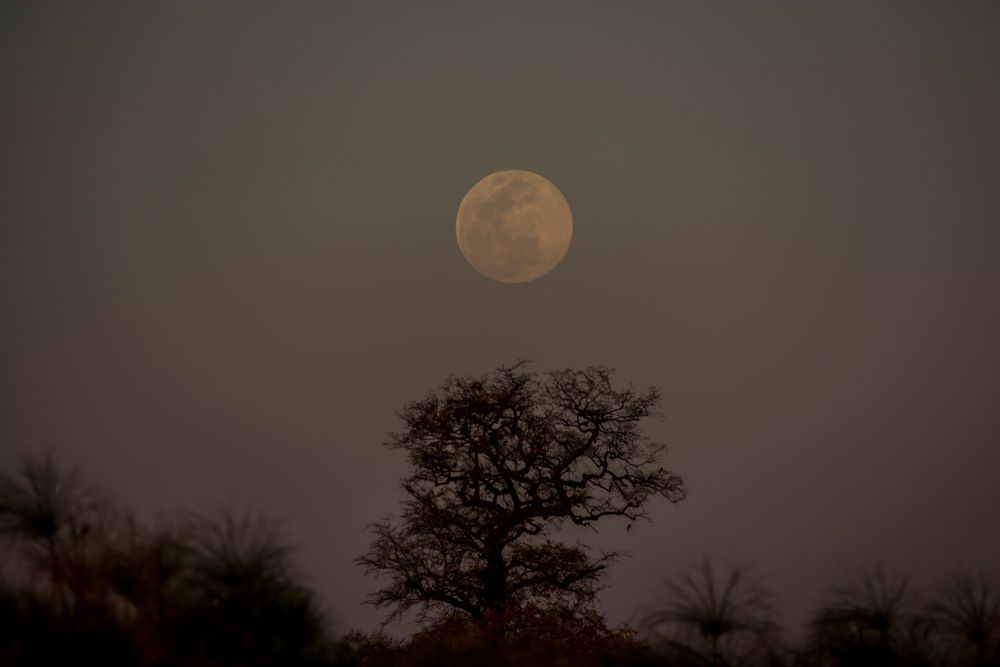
{"points": [[85, 582]]}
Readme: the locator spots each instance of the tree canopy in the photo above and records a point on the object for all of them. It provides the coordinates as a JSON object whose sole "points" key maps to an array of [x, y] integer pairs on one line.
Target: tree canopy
{"points": [[500, 462]]}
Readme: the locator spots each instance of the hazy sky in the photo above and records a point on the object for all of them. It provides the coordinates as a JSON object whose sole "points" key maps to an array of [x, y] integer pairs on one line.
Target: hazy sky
{"points": [[228, 257]]}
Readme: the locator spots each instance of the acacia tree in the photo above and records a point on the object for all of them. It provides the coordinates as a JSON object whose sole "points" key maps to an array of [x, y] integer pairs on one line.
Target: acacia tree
{"points": [[499, 463]]}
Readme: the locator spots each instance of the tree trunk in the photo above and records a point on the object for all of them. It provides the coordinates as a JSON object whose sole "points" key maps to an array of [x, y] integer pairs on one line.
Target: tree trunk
{"points": [[55, 576], [495, 596]]}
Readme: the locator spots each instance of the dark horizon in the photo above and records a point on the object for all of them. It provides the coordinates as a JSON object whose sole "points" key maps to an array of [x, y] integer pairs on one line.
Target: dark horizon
{"points": [[221, 585], [228, 257]]}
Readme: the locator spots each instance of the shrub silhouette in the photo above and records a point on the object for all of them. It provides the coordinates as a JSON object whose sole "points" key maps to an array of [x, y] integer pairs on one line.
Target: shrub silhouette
{"points": [[241, 599], [84, 583], [533, 636]]}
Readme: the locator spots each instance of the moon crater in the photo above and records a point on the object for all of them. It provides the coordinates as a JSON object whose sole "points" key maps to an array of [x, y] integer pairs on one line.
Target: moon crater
{"points": [[514, 226]]}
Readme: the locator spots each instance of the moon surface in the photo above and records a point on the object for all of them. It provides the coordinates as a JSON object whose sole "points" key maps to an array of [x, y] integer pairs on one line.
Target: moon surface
{"points": [[514, 226]]}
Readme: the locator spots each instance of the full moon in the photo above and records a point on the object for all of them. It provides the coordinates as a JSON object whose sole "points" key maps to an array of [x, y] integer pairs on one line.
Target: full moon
{"points": [[514, 226]]}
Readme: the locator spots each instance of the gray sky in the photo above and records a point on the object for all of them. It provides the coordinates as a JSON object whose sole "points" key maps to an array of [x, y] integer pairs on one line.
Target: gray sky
{"points": [[227, 257]]}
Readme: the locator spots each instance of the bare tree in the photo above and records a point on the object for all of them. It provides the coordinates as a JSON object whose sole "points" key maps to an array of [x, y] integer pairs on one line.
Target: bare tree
{"points": [[500, 462]]}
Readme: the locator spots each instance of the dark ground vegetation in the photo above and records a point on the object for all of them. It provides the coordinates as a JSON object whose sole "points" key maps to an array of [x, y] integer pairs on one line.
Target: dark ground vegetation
{"points": [[497, 463]]}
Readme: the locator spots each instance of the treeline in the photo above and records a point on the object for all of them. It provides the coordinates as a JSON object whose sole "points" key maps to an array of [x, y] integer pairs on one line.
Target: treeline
{"points": [[84, 582]]}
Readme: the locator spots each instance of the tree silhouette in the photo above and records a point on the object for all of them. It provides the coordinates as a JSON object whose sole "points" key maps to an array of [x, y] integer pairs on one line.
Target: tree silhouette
{"points": [[498, 463], [50, 516], [715, 619], [866, 622], [241, 601], [145, 571], [54, 525], [966, 613], [83, 582]]}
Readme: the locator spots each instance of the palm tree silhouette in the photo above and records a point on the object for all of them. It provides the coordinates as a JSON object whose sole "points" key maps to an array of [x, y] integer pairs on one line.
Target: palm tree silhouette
{"points": [[716, 619], [244, 603], [864, 622], [966, 611], [45, 511]]}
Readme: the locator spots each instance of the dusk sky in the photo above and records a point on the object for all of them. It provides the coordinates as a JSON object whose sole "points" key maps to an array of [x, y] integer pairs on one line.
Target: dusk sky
{"points": [[228, 258]]}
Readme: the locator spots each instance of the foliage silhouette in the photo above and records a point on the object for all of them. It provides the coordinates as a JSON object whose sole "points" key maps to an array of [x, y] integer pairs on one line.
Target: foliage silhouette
{"points": [[966, 614], [715, 619], [866, 622], [555, 636], [48, 515], [144, 570], [243, 603], [84, 583], [498, 464]]}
